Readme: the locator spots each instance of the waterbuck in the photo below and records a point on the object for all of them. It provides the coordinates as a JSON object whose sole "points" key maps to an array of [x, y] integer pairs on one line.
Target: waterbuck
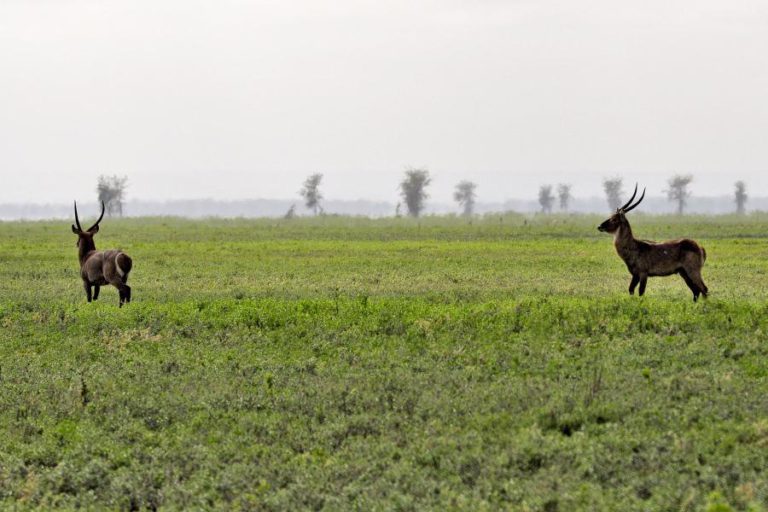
{"points": [[98, 268], [645, 259]]}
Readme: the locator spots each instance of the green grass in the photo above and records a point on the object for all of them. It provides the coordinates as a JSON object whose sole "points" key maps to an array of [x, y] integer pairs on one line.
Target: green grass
{"points": [[355, 364]]}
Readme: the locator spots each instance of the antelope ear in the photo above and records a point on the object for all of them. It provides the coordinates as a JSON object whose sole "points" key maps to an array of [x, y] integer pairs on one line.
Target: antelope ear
{"points": [[94, 229], [75, 230]]}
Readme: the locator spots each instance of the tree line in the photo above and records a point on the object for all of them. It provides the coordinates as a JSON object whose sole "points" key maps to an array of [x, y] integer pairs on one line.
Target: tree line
{"points": [[677, 192], [413, 193]]}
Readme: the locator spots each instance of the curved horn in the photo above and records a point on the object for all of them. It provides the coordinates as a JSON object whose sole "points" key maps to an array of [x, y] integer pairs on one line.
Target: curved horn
{"points": [[100, 217], [77, 219], [630, 199], [637, 203]]}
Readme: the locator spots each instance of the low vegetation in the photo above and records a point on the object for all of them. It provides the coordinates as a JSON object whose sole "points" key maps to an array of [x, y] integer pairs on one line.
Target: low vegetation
{"points": [[395, 364]]}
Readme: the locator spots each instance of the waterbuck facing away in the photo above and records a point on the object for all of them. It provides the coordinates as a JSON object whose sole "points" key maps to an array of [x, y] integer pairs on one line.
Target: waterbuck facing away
{"points": [[98, 268], [645, 259]]}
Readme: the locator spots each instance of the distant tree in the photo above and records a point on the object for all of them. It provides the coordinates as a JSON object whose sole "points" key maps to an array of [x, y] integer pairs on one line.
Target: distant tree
{"points": [[465, 195], [741, 197], [678, 190], [564, 195], [291, 213], [111, 190], [612, 187], [397, 209], [546, 199], [311, 192], [412, 189]]}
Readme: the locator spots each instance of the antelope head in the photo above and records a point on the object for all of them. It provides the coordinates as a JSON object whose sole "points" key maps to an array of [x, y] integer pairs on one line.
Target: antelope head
{"points": [[85, 237], [616, 221]]}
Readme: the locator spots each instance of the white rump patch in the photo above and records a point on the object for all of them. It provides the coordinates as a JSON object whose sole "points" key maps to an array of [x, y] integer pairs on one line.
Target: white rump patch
{"points": [[117, 266]]}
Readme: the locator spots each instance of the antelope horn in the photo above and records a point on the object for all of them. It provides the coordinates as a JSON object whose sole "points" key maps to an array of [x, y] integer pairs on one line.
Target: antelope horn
{"points": [[100, 217], [77, 220], [630, 199], [637, 203]]}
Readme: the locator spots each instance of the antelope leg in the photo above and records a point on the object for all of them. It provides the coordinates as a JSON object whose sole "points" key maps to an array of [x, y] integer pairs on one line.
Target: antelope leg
{"points": [[643, 282], [633, 284]]}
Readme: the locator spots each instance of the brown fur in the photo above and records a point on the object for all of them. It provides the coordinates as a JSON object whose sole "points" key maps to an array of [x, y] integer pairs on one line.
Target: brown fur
{"points": [[98, 268], [646, 259]]}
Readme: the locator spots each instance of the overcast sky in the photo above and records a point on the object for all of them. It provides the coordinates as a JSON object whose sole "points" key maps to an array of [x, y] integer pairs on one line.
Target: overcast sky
{"points": [[243, 99]]}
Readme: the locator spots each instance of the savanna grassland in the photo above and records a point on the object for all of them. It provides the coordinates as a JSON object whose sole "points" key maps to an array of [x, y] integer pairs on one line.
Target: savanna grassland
{"points": [[354, 364]]}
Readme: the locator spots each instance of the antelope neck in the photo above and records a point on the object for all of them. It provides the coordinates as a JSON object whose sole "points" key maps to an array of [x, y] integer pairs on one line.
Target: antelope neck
{"points": [[623, 237], [85, 248]]}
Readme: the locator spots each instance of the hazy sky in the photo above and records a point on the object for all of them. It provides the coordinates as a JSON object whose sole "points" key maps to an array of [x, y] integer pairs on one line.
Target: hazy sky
{"points": [[243, 99]]}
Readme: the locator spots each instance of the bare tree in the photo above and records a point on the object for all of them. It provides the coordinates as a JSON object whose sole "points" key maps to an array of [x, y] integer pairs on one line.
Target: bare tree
{"points": [[465, 195], [111, 190], [741, 197], [311, 192], [291, 213], [546, 199], [564, 195], [612, 187], [412, 189], [678, 190]]}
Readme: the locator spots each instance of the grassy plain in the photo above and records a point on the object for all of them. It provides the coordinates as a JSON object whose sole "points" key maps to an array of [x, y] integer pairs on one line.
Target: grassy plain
{"points": [[355, 364]]}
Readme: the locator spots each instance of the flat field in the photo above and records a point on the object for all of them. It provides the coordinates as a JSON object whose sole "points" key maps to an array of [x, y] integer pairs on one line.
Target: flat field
{"points": [[353, 364]]}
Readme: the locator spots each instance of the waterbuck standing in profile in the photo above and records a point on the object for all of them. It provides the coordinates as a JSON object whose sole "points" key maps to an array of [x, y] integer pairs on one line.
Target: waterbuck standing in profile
{"points": [[98, 268], [645, 259]]}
